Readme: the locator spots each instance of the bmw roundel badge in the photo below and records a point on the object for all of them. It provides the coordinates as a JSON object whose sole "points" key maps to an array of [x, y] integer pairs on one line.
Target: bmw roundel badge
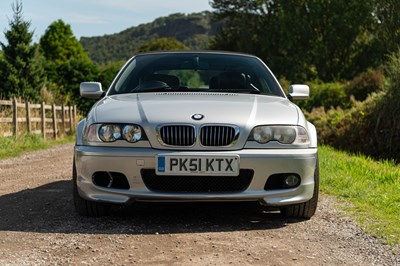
{"points": [[197, 116]]}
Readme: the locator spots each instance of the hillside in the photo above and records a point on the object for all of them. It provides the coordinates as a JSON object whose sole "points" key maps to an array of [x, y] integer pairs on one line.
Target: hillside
{"points": [[194, 30]]}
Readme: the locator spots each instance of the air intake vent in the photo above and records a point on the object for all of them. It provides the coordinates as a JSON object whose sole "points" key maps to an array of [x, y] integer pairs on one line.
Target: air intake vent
{"points": [[193, 184], [178, 135], [215, 136]]}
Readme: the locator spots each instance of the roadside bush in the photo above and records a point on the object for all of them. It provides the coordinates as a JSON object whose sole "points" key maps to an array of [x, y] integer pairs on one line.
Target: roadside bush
{"points": [[384, 118], [326, 95], [345, 128], [364, 84], [372, 126]]}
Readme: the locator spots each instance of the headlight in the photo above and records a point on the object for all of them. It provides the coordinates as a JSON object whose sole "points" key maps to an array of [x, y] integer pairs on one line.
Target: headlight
{"points": [[109, 133], [113, 132], [282, 134], [132, 133]]}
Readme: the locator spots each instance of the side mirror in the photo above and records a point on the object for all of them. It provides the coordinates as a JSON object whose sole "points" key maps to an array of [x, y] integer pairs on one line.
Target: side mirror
{"points": [[91, 90], [299, 92]]}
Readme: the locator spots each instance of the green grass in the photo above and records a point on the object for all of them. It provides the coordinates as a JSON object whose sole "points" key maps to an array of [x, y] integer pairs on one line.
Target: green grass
{"points": [[372, 187], [15, 146]]}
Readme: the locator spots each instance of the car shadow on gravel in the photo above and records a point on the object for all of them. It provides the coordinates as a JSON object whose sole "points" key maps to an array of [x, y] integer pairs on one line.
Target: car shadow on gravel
{"points": [[49, 209]]}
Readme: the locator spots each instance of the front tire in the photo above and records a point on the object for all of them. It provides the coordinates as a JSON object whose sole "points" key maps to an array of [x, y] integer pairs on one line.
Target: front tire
{"points": [[307, 209], [85, 207]]}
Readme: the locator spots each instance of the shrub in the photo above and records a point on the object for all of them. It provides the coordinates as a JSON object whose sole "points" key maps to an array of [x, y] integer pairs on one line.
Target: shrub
{"points": [[347, 129], [372, 126], [383, 124], [326, 95], [364, 84]]}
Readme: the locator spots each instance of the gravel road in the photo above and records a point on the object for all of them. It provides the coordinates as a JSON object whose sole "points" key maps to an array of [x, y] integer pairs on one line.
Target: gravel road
{"points": [[38, 226]]}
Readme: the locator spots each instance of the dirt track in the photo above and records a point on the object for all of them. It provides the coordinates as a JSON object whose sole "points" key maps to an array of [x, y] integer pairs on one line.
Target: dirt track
{"points": [[38, 226]]}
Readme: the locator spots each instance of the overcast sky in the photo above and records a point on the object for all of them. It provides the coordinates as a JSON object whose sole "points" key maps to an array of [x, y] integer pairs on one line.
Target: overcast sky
{"points": [[95, 17]]}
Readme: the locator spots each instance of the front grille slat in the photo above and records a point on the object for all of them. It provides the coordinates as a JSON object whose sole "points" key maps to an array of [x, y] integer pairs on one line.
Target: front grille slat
{"points": [[183, 136], [217, 136], [193, 184], [223, 134], [177, 135]]}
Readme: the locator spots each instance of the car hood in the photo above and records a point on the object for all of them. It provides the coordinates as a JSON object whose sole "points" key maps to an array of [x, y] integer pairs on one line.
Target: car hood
{"points": [[146, 109]]}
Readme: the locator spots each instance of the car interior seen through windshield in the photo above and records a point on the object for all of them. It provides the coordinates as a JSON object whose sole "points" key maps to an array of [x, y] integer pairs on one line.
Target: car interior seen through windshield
{"points": [[208, 72]]}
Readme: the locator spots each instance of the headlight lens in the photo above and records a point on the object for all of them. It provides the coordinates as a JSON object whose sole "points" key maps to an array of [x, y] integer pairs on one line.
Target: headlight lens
{"points": [[132, 133], [282, 134], [113, 132], [262, 134], [109, 133]]}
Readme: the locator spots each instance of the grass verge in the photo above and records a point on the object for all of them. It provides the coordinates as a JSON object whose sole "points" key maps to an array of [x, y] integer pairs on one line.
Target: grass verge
{"points": [[15, 146], [372, 187]]}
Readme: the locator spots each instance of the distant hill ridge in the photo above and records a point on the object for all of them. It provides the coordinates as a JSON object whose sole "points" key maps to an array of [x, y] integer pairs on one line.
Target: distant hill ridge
{"points": [[194, 30]]}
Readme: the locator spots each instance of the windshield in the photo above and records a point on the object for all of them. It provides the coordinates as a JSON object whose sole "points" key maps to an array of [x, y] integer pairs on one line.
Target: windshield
{"points": [[207, 72]]}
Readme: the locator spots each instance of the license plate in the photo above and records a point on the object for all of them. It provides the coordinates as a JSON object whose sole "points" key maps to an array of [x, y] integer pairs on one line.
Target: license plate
{"points": [[198, 165]]}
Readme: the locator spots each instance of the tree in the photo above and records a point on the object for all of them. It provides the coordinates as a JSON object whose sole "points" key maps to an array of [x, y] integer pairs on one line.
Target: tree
{"points": [[108, 73], [326, 34], [388, 25], [67, 64], [163, 44], [71, 73], [22, 72], [298, 39], [58, 44], [250, 27]]}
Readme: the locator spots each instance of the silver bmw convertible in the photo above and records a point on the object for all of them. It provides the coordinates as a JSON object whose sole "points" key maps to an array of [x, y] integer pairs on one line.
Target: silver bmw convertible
{"points": [[195, 126]]}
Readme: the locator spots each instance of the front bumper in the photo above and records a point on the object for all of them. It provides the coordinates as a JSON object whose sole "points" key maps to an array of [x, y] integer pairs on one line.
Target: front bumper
{"points": [[130, 162]]}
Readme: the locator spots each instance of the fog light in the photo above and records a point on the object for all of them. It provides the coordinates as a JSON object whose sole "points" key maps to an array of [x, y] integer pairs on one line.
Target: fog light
{"points": [[292, 180]]}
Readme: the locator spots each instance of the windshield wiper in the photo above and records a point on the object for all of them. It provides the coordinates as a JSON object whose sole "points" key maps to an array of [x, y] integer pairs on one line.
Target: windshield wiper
{"points": [[152, 86], [254, 89], [250, 89]]}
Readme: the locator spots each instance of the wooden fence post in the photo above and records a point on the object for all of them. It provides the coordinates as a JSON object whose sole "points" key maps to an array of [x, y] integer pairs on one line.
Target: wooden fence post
{"points": [[28, 117], [74, 115], [15, 115], [70, 118], [53, 109], [63, 118], [43, 121]]}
